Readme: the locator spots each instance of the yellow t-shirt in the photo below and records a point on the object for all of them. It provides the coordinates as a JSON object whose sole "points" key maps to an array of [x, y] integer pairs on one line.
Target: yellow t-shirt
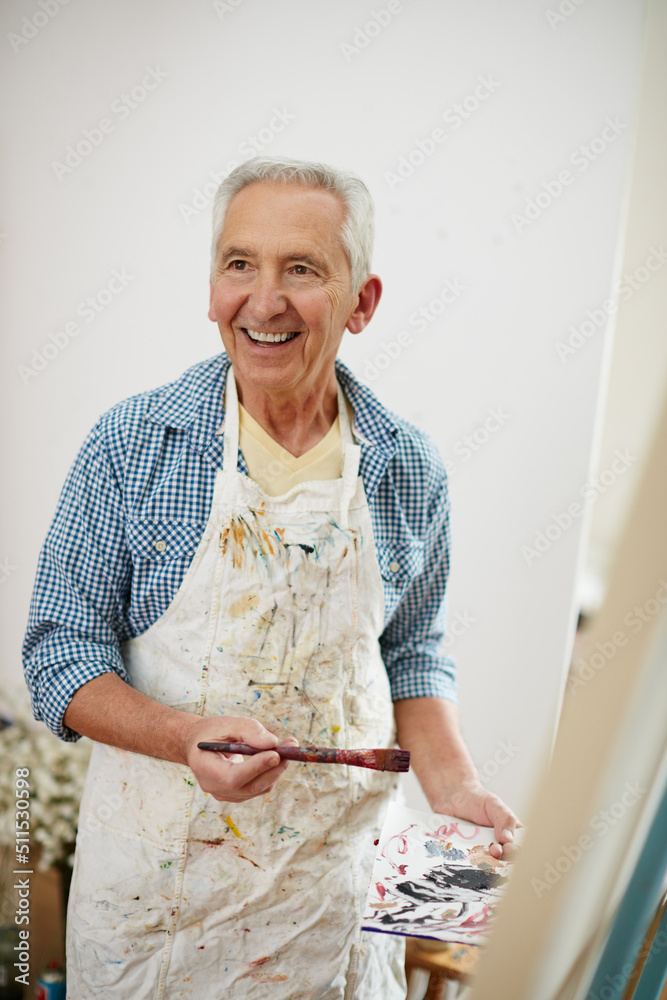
{"points": [[276, 470]]}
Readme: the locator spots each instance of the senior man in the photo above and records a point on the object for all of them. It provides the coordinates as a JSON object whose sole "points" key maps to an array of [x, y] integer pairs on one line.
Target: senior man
{"points": [[255, 552]]}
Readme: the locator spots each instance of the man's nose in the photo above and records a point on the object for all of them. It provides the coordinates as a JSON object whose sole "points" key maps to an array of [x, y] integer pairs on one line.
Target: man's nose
{"points": [[267, 295]]}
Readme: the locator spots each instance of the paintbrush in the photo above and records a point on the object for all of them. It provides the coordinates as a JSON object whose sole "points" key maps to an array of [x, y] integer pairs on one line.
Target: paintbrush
{"points": [[377, 760]]}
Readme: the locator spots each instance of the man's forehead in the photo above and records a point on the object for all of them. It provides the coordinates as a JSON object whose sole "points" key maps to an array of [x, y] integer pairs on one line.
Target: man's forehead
{"points": [[303, 205], [292, 218]]}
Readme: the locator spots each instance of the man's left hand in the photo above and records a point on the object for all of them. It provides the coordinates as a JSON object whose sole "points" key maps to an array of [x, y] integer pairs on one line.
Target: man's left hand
{"points": [[469, 800], [429, 728]]}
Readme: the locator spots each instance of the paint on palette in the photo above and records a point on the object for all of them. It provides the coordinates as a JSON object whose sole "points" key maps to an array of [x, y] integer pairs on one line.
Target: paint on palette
{"points": [[434, 877]]}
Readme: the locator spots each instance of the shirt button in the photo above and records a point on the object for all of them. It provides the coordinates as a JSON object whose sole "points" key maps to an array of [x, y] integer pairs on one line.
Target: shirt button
{"points": [[160, 546], [394, 567]]}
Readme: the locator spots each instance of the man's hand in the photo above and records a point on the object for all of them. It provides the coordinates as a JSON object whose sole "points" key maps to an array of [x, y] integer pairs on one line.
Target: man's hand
{"points": [[233, 777], [429, 729], [470, 800], [110, 711]]}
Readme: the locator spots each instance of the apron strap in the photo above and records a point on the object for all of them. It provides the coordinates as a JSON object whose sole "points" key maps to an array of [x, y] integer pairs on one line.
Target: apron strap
{"points": [[351, 459], [230, 450]]}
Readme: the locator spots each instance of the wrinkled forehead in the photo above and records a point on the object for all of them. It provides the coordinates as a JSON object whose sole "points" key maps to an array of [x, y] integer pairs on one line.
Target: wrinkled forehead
{"points": [[266, 212]]}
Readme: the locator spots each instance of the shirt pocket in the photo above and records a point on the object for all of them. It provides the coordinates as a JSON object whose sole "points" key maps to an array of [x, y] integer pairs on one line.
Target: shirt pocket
{"points": [[161, 553], [162, 541], [400, 563]]}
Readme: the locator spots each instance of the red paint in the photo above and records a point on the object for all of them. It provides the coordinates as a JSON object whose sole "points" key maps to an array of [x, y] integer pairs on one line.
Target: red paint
{"points": [[401, 847], [475, 923], [446, 830]]}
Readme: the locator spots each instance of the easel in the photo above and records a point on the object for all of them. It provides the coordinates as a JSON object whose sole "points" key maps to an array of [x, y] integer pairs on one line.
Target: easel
{"points": [[557, 940]]}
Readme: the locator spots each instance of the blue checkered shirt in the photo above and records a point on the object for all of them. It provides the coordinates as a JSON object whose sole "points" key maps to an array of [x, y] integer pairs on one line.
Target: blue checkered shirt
{"points": [[145, 475]]}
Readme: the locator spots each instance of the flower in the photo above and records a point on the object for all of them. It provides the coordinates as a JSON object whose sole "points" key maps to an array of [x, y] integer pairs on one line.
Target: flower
{"points": [[57, 772]]}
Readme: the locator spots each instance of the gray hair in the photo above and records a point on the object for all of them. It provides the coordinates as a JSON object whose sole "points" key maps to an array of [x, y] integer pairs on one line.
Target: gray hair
{"points": [[358, 229]]}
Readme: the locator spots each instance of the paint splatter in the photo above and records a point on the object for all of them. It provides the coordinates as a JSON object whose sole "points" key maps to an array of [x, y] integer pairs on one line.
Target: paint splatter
{"points": [[232, 826], [288, 831], [436, 848], [433, 877]]}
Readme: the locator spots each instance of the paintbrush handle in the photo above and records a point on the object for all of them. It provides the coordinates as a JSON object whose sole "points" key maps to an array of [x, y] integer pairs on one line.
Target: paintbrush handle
{"points": [[320, 755], [377, 760]]}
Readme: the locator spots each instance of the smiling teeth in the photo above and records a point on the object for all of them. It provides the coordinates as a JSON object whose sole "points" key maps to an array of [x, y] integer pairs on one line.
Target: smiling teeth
{"points": [[270, 338]]}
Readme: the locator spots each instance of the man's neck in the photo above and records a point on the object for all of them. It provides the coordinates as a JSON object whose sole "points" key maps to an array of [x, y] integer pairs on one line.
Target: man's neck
{"points": [[297, 421]]}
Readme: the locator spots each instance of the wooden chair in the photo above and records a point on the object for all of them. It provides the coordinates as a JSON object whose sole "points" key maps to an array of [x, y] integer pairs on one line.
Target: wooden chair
{"points": [[445, 963]]}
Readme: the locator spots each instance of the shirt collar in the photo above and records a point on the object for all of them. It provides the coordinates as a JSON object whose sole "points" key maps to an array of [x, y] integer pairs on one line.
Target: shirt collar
{"points": [[196, 402]]}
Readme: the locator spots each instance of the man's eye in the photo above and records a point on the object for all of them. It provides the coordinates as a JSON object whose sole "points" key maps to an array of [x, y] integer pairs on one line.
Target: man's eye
{"points": [[301, 269], [238, 265]]}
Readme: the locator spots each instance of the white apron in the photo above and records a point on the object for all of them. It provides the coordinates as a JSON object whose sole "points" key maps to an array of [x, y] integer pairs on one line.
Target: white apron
{"points": [[177, 895]]}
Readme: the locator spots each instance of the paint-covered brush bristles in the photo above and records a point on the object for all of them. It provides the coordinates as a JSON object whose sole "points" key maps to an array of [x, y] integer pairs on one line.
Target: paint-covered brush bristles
{"points": [[377, 760], [387, 760]]}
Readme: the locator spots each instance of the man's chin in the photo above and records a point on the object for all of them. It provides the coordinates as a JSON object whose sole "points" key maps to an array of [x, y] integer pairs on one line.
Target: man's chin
{"points": [[266, 369]]}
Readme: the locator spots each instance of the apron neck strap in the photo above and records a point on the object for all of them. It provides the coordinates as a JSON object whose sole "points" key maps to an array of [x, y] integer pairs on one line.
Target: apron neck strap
{"points": [[351, 459], [230, 452]]}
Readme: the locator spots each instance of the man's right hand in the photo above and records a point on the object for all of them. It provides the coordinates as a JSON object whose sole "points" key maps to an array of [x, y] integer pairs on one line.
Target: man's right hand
{"points": [[110, 711], [233, 777]]}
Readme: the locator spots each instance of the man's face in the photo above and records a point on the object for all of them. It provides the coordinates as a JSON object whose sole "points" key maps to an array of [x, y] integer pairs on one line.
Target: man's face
{"points": [[281, 294]]}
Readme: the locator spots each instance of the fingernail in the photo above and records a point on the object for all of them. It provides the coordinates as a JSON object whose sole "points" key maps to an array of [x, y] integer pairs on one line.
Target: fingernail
{"points": [[508, 834]]}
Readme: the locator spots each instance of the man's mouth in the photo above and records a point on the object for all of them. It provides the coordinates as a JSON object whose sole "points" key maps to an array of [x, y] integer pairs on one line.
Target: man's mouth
{"points": [[258, 337]]}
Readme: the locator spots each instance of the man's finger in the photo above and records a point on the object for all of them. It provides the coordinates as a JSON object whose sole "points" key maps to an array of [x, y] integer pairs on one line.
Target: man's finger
{"points": [[240, 770], [509, 852]]}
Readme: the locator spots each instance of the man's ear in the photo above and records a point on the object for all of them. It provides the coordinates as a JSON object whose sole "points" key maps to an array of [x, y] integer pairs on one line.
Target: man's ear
{"points": [[367, 303]]}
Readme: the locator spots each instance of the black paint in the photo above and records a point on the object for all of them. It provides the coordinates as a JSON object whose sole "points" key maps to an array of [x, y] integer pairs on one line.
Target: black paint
{"points": [[450, 878]]}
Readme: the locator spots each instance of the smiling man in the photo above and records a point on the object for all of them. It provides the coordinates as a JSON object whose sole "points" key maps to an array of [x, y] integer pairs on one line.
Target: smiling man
{"points": [[257, 552]]}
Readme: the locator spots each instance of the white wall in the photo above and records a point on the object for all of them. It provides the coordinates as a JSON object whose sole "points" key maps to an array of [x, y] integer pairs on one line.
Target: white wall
{"points": [[638, 372], [139, 204]]}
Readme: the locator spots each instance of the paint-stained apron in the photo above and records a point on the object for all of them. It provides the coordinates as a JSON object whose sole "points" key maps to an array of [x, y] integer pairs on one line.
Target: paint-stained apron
{"points": [[177, 895]]}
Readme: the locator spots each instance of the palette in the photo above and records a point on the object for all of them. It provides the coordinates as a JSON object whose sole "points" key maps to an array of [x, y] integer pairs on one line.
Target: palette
{"points": [[434, 877]]}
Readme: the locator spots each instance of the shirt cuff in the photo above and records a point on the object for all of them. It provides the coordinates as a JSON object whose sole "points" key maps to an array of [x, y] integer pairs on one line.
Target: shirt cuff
{"points": [[56, 686], [423, 678]]}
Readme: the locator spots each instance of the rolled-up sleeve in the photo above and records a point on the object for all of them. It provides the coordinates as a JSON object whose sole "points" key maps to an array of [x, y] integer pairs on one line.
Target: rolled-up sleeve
{"points": [[83, 577], [412, 642]]}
